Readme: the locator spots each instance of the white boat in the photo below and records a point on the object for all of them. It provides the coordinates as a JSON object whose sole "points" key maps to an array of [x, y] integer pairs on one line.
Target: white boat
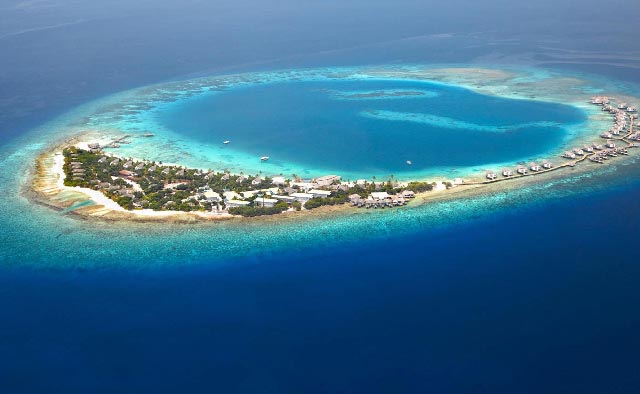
{"points": [[226, 142], [264, 158], [409, 162]]}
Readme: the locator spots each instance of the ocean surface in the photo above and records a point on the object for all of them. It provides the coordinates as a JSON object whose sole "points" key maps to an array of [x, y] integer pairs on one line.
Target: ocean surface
{"points": [[525, 291]]}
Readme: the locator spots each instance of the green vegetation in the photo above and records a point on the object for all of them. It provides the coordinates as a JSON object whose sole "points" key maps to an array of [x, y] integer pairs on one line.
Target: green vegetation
{"points": [[135, 184], [419, 187], [339, 197], [251, 211]]}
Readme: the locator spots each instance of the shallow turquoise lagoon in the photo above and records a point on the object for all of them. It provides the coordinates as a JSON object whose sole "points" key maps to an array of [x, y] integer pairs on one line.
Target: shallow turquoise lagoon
{"points": [[371, 126]]}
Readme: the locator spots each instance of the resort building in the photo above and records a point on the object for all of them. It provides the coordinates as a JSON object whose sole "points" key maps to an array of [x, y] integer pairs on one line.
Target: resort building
{"points": [[278, 180], [379, 195], [212, 196], [304, 185], [231, 195], [302, 197], [327, 180], [266, 202], [287, 199], [506, 172], [534, 167], [491, 175], [408, 194], [236, 203], [319, 193]]}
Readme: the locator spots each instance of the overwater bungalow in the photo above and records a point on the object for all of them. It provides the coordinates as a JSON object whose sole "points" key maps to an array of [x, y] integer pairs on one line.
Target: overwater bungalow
{"points": [[546, 164], [569, 155], [632, 109], [522, 170], [597, 146], [587, 148], [623, 105], [606, 135], [534, 167], [578, 151], [610, 144], [506, 172], [491, 175]]}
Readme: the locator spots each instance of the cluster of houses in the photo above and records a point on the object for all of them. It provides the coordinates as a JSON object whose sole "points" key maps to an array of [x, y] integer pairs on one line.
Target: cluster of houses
{"points": [[381, 199], [263, 197], [623, 118], [521, 170]]}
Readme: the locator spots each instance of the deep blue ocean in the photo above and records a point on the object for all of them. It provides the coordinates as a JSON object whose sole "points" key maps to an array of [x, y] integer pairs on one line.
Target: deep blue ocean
{"points": [[540, 298]]}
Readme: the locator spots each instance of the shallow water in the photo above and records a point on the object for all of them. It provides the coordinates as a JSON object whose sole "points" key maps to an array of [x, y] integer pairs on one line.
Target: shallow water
{"points": [[312, 125]]}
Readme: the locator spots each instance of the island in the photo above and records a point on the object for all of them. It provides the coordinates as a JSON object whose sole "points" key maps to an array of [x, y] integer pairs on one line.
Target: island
{"points": [[107, 173]]}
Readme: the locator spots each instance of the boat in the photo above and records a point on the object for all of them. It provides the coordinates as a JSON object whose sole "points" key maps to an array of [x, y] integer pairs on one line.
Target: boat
{"points": [[226, 142], [409, 162], [264, 158]]}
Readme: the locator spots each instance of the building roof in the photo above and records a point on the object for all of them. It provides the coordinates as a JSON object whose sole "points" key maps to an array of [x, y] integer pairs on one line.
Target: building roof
{"points": [[238, 202], [211, 194], [266, 200], [302, 195], [380, 195], [321, 192]]}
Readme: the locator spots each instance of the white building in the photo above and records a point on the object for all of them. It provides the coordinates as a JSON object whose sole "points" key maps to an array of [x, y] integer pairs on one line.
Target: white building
{"points": [[267, 202], [236, 203], [231, 196], [319, 193], [327, 180], [304, 185], [379, 195], [287, 199], [302, 197], [408, 194], [278, 180], [211, 196]]}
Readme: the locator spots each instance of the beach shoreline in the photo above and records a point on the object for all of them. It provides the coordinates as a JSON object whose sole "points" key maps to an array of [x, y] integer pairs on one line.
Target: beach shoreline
{"points": [[47, 188]]}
